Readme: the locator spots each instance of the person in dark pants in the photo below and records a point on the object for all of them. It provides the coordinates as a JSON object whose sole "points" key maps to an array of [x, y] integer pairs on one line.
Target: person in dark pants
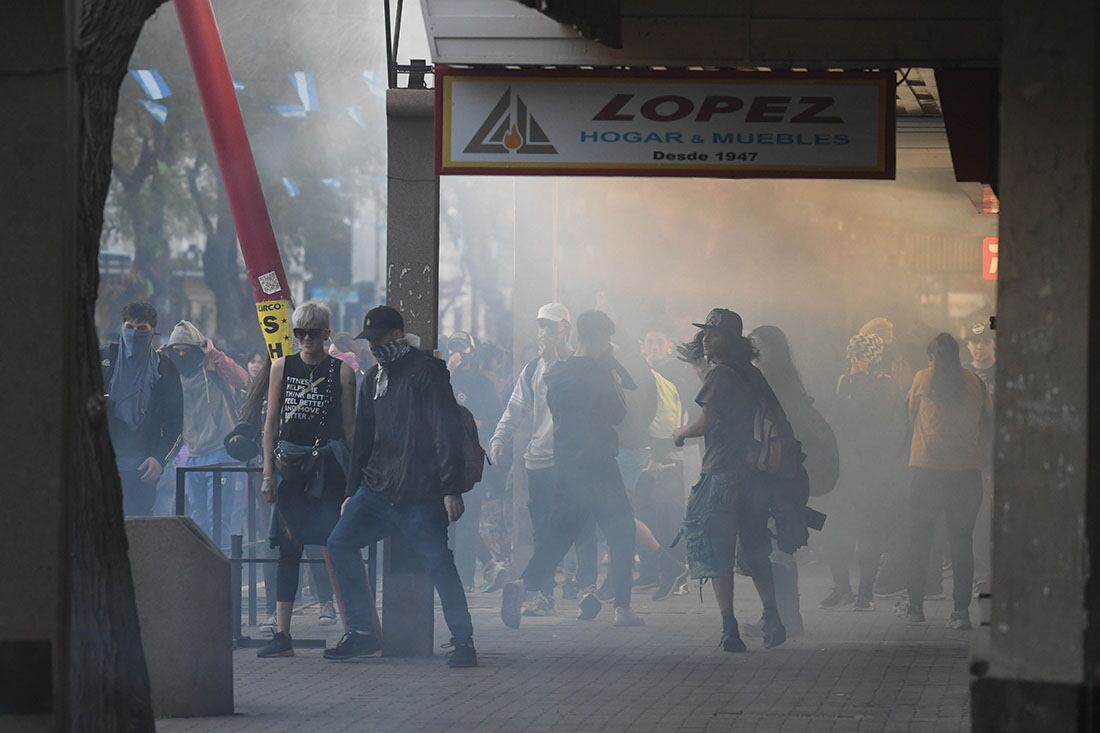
{"points": [[949, 407], [585, 398], [310, 413], [144, 407], [406, 477], [476, 393], [528, 412]]}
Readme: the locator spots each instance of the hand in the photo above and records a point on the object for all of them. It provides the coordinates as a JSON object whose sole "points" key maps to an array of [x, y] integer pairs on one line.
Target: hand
{"points": [[454, 361], [344, 506], [207, 346], [150, 470], [455, 507], [496, 452], [267, 488], [652, 468], [678, 437]]}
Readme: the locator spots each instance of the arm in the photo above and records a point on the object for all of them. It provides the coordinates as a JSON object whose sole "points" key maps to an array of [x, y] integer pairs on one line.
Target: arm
{"points": [[229, 370], [519, 408], [446, 426], [172, 415], [362, 441], [700, 427], [271, 427]]}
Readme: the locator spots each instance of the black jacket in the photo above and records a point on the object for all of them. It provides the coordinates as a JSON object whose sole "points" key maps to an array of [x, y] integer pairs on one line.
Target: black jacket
{"points": [[408, 442], [163, 423], [586, 403]]}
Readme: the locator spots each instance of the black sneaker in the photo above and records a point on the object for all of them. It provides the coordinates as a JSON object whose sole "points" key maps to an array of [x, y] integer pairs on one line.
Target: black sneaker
{"points": [[731, 637], [774, 631], [462, 653], [671, 573], [589, 606], [570, 589], [280, 645], [353, 645], [511, 603]]}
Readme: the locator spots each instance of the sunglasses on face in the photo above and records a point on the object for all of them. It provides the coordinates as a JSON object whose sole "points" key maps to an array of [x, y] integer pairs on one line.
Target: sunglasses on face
{"points": [[312, 333]]}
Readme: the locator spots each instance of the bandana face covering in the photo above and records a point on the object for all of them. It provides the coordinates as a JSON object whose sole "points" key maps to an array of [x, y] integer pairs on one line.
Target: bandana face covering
{"points": [[387, 354], [189, 362], [136, 341]]}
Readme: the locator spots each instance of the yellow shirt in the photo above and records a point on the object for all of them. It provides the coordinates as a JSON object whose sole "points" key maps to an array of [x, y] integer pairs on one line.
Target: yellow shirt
{"points": [[947, 437]]}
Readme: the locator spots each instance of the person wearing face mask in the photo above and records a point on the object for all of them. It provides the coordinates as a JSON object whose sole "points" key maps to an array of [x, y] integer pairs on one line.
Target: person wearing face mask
{"points": [[585, 396], [144, 407], [210, 381], [406, 477]]}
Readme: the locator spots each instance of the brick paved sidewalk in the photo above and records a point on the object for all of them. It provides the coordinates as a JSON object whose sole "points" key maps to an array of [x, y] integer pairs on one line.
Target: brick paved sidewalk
{"points": [[852, 672]]}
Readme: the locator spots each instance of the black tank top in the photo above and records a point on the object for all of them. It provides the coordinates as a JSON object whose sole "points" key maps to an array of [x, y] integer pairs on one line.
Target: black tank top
{"points": [[311, 401]]}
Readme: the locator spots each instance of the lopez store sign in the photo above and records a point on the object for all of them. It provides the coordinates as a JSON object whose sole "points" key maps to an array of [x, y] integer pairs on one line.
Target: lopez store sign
{"points": [[735, 125]]}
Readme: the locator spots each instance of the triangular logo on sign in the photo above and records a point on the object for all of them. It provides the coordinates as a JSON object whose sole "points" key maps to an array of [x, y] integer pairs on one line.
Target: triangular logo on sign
{"points": [[510, 131]]}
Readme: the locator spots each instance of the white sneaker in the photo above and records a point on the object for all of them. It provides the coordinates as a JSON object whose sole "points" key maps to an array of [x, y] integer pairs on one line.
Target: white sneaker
{"points": [[542, 605], [627, 617], [327, 614]]}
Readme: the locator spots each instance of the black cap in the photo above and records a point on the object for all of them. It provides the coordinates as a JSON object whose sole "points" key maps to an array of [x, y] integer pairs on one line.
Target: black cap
{"points": [[979, 332], [724, 319], [380, 321]]}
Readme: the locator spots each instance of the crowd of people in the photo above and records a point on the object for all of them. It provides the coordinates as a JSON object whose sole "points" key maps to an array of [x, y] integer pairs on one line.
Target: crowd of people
{"points": [[677, 460]]}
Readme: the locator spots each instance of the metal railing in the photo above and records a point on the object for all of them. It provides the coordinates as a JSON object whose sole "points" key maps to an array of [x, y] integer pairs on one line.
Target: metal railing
{"points": [[237, 547]]}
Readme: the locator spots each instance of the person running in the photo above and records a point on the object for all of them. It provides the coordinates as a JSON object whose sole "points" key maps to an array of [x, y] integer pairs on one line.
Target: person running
{"points": [[727, 512], [527, 412], [310, 414], [949, 406], [586, 402], [406, 477], [144, 407]]}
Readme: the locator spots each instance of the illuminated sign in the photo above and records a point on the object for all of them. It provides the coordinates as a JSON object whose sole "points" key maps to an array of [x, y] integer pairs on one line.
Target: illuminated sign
{"points": [[990, 247], [751, 124]]}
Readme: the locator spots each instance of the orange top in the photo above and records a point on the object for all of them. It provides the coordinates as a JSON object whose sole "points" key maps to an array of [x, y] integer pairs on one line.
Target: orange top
{"points": [[947, 437]]}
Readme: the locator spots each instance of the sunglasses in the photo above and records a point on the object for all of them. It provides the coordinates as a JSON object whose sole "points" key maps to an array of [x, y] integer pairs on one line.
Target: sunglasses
{"points": [[313, 333]]}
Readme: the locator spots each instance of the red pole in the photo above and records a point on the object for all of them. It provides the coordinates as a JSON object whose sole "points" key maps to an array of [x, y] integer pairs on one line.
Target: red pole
{"points": [[270, 289]]}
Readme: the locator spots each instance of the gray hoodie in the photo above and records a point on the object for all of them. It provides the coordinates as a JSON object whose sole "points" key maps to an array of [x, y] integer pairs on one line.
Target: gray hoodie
{"points": [[208, 410]]}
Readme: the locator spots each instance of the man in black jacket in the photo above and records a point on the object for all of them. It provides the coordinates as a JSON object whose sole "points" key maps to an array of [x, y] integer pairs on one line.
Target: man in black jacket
{"points": [[406, 476], [585, 397], [144, 407]]}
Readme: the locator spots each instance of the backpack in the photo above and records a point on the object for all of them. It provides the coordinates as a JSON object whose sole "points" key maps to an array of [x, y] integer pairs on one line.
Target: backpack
{"points": [[474, 456]]}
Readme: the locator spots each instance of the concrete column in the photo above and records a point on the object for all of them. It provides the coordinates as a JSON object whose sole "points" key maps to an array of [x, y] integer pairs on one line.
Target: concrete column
{"points": [[1043, 662], [37, 241], [412, 286]]}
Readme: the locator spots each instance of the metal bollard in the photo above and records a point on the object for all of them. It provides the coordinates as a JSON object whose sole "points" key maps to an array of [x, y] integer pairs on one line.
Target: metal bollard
{"points": [[251, 518], [181, 485], [216, 514], [235, 551]]}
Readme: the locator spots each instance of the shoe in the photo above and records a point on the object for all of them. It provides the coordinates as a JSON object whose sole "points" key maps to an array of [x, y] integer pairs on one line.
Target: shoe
{"points": [[863, 604], [352, 645], [540, 605], [495, 575], [837, 598], [511, 603], [604, 592], [462, 653], [911, 614], [589, 606], [682, 586], [280, 645], [888, 590], [753, 631], [731, 637], [327, 616], [627, 617], [671, 573], [774, 631], [959, 622]]}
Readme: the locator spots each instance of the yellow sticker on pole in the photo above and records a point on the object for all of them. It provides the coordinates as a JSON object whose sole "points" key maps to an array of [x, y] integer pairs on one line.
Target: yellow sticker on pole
{"points": [[274, 318]]}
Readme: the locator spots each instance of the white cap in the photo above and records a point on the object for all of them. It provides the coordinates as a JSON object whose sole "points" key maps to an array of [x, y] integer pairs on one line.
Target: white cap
{"points": [[555, 312]]}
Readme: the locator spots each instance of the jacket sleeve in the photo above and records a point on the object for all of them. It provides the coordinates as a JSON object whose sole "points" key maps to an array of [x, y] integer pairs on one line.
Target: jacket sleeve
{"points": [[363, 444], [614, 401], [446, 427], [229, 370], [171, 412], [519, 408]]}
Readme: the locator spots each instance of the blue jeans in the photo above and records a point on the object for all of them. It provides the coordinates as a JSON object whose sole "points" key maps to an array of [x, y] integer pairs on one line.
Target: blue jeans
{"points": [[200, 493], [368, 518]]}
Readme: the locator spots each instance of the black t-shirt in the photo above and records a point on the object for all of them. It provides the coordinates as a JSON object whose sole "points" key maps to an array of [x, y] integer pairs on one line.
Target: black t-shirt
{"points": [[727, 396], [311, 401], [476, 393]]}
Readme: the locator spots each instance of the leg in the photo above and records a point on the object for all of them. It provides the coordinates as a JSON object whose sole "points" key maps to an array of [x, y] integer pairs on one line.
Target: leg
{"points": [[138, 496], [571, 513], [923, 510], [286, 584], [616, 519], [869, 545], [468, 536], [318, 575], [587, 555], [200, 499], [425, 527], [542, 492], [963, 503], [362, 523]]}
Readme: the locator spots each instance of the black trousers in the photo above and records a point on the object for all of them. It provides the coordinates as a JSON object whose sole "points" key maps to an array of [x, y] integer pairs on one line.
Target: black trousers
{"points": [[957, 495], [586, 492], [543, 489]]}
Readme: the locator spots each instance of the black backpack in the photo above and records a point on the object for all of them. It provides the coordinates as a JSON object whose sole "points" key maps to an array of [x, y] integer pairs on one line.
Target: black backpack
{"points": [[473, 454]]}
